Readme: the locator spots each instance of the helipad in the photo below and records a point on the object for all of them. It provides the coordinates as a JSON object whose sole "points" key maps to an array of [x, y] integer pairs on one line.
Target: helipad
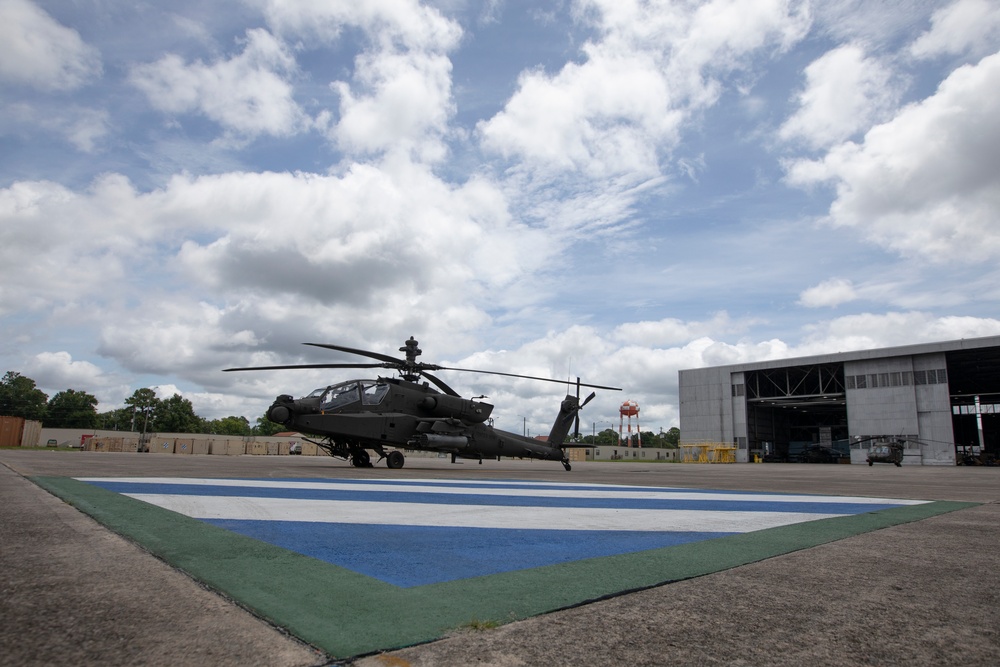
{"points": [[358, 565]]}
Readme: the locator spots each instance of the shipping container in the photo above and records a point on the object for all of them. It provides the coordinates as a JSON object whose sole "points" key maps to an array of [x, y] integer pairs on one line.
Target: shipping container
{"points": [[32, 433], [161, 446], [11, 429], [236, 447]]}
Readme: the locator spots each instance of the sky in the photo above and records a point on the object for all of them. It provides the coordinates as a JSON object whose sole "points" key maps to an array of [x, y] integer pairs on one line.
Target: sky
{"points": [[609, 189]]}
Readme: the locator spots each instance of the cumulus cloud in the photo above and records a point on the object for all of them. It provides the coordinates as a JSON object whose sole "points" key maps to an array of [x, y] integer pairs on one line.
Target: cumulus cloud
{"points": [[407, 24], [57, 369], [671, 331], [829, 293], [845, 92], [965, 26], [367, 233], [248, 94], [875, 330], [621, 107], [90, 238], [399, 96], [403, 103], [170, 334], [42, 53], [370, 252], [926, 183]]}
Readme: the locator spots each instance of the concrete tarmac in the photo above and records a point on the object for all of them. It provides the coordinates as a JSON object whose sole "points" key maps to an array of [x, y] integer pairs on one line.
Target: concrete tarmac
{"points": [[924, 593]]}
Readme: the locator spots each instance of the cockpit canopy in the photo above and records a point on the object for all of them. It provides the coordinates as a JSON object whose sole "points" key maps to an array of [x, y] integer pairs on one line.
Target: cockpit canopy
{"points": [[368, 392]]}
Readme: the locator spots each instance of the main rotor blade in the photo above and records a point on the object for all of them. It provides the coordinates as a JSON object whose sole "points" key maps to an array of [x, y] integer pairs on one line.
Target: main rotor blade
{"points": [[440, 385], [293, 366], [530, 377], [363, 353]]}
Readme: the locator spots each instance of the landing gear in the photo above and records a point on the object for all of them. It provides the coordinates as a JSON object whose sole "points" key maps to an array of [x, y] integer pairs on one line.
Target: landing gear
{"points": [[361, 459], [395, 459], [566, 465]]}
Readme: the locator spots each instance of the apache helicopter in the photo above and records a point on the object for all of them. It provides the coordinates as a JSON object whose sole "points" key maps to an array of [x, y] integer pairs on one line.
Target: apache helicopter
{"points": [[404, 413]]}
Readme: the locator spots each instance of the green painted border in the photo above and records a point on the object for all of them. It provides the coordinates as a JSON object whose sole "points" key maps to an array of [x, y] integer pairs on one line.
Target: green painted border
{"points": [[348, 614]]}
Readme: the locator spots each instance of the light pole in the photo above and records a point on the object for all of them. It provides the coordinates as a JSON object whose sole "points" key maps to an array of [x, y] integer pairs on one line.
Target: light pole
{"points": [[603, 421]]}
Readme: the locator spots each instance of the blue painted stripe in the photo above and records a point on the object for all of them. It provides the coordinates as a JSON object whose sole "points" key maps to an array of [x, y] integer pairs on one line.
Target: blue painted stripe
{"points": [[436, 554], [511, 484], [430, 497]]}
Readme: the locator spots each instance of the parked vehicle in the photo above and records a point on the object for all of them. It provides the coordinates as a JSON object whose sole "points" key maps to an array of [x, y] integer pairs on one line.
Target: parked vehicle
{"points": [[886, 452]]}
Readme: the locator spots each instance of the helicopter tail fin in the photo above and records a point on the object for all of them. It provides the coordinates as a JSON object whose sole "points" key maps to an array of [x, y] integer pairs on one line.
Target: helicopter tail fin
{"points": [[568, 410]]}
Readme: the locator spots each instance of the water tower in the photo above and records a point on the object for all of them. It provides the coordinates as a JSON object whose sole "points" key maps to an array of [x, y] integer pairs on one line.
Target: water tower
{"points": [[628, 410]]}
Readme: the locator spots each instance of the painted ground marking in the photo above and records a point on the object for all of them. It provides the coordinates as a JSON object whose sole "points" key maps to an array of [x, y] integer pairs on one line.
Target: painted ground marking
{"points": [[355, 566]]}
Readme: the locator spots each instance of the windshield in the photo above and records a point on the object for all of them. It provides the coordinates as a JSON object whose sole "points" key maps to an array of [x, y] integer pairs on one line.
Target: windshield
{"points": [[372, 393], [339, 395]]}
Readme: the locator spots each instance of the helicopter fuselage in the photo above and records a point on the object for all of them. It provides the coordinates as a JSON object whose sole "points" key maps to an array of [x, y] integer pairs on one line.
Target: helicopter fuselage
{"points": [[356, 415]]}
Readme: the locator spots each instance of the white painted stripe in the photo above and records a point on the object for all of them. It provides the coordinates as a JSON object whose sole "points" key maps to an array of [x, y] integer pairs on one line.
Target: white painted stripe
{"points": [[471, 516], [583, 491]]}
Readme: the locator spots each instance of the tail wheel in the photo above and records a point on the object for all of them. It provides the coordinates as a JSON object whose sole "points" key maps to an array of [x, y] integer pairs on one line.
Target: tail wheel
{"points": [[395, 459]]}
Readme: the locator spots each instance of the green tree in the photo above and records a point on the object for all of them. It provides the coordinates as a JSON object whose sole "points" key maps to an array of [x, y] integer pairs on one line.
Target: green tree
{"points": [[673, 437], [119, 419], [20, 398], [650, 439], [608, 436], [72, 409], [230, 426], [265, 426], [176, 415], [143, 403]]}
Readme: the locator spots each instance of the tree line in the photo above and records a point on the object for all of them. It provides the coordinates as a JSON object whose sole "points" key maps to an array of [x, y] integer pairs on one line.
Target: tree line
{"points": [[144, 412], [669, 439]]}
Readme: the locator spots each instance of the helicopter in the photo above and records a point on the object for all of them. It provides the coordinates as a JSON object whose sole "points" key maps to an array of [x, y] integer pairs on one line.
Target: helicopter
{"points": [[886, 452], [386, 415]]}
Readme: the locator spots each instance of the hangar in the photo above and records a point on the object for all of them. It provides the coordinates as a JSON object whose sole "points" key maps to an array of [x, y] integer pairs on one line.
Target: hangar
{"points": [[942, 399]]}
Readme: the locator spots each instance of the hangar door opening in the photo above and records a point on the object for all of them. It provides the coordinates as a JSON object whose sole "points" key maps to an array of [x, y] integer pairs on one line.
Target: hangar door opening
{"points": [[798, 413], [974, 387]]}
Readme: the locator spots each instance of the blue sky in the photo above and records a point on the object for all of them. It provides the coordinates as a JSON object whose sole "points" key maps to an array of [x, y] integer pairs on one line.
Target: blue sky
{"points": [[613, 189]]}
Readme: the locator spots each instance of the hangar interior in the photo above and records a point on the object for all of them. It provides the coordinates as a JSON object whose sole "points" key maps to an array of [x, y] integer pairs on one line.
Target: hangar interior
{"points": [[974, 387], [790, 409]]}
